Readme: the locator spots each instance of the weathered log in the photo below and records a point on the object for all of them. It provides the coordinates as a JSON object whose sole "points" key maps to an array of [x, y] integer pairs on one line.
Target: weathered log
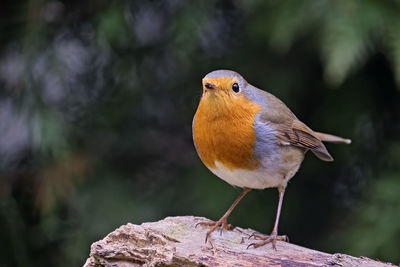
{"points": [[175, 241]]}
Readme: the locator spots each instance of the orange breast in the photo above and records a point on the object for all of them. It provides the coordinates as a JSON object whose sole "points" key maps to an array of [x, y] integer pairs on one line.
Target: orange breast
{"points": [[223, 131]]}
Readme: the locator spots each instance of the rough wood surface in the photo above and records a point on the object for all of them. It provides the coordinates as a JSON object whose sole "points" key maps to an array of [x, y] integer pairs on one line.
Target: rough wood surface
{"points": [[175, 241]]}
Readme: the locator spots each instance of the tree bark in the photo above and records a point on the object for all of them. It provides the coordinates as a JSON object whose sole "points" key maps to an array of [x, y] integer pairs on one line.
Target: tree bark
{"points": [[175, 241]]}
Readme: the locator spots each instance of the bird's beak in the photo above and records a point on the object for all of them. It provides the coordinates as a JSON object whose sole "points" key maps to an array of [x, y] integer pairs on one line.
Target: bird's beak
{"points": [[210, 86]]}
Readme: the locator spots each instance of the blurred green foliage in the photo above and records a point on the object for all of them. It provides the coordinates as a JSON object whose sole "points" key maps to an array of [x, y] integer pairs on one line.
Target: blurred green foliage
{"points": [[97, 98]]}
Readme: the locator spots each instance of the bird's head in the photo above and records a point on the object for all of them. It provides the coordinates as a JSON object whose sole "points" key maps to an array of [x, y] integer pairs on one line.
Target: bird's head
{"points": [[225, 93], [223, 85]]}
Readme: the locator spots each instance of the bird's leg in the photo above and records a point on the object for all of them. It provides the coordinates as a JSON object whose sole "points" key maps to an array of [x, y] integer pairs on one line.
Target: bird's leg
{"points": [[274, 235], [223, 221]]}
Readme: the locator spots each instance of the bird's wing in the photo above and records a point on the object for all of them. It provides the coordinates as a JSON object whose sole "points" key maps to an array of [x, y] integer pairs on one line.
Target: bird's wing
{"points": [[298, 134], [290, 130]]}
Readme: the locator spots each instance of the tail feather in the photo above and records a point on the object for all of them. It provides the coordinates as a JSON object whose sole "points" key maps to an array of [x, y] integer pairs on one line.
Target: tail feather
{"points": [[332, 138]]}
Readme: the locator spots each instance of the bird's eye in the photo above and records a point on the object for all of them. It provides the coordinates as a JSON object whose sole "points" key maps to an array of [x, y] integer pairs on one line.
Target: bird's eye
{"points": [[235, 87]]}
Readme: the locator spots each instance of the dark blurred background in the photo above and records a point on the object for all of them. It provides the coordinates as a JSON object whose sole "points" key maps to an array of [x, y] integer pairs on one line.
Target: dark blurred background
{"points": [[97, 99]]}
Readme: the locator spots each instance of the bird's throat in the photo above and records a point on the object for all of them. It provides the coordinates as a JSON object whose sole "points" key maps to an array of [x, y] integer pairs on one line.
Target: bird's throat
{"points": [[223, 131]]}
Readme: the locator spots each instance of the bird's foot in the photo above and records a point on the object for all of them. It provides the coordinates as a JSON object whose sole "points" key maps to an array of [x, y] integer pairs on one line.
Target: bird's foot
{"points": [[266, 239], [222, 223]]}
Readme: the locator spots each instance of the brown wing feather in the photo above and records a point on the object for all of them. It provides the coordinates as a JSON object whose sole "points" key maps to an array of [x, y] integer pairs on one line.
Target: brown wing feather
{"points": [[298, 134]]}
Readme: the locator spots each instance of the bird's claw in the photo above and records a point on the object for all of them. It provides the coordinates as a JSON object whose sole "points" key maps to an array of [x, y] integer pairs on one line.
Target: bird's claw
{"points": [[209, 223], [222, 223], [272, 238], [256, 235]]}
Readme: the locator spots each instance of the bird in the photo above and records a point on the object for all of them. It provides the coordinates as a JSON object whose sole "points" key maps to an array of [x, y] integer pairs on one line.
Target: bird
{"points": [[250, 139]]}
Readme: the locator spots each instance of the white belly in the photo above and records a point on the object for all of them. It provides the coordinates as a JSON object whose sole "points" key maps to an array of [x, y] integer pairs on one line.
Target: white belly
{"points": [[256, 179], [273, 171]]}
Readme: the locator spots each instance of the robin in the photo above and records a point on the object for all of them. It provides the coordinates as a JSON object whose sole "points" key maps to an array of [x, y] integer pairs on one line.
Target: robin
{"points": [[251, 139]]}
